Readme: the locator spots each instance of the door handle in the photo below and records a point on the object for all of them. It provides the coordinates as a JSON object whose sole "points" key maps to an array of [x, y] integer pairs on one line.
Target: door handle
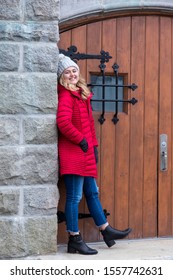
{"points": [[163, 152]]}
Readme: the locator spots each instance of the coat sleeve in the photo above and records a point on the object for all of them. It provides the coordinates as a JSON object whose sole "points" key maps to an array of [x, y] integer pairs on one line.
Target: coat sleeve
{"points": [[64, 118], [95, 142]]}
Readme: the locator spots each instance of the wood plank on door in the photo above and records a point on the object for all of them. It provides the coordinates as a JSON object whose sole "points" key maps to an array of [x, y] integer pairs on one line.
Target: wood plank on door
{"points": [[165, 127], [123, 46], [137, 127], [107, 155], [151, 127]]}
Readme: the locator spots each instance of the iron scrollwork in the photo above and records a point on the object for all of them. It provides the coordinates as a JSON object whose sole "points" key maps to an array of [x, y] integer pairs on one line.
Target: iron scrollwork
{"points": [[74, 55]]}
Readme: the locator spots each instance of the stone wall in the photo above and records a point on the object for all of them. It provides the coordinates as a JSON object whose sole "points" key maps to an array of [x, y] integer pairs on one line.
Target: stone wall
{"points": [[28, 135]]}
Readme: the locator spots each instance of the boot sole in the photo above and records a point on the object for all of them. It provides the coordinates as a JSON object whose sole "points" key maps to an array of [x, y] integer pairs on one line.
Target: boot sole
{"points": [[73, 250]]}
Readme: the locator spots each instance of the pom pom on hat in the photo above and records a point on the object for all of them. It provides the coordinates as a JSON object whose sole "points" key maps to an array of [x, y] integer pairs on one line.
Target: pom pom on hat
{"points": [[64, 63]]}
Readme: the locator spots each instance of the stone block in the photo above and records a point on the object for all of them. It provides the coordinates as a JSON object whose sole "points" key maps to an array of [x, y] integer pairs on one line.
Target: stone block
{"points": [[9, 173], [12, 238], [9, 201], [38, 165], [42, 10], [29, 32], [40, 200], [41, 235], [9, 130], [28, 165], [9, 57], [10, 10], [28, 94], [40, 130], [40, 58], [21, 237]]}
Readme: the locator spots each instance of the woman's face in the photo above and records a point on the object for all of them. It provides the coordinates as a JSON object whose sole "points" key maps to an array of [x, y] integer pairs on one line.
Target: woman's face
{"points": [[71, 75]]}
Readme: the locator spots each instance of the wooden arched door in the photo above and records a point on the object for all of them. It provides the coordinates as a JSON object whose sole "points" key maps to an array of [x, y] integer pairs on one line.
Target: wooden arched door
{"points": [[132, 187]]}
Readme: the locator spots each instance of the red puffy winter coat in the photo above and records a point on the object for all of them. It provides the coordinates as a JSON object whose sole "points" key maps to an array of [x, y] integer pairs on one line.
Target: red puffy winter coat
{"points": [[75, 122]]}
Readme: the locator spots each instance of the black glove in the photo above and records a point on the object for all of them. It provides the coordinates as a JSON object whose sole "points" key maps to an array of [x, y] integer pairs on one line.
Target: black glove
{"points": [[96, 154], [84, 145]]}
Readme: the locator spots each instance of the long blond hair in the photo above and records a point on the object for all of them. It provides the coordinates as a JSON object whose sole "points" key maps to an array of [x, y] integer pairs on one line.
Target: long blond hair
{"points": [[85, 93]]}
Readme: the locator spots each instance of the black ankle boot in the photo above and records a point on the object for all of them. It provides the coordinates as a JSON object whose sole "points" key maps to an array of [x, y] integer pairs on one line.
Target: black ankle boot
{"points": [[110, 234], [76, 244]]}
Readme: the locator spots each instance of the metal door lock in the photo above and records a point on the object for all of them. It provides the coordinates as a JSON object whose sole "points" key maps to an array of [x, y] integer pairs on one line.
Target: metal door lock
{"points": [[163, 152]]}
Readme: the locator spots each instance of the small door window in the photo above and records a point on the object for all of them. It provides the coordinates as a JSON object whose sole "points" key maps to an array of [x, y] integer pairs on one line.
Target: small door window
{"points": [[111, 93]]}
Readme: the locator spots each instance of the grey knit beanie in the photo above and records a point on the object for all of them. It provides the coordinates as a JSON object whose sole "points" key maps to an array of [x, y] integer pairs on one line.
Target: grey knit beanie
{"points": [[64, 63]]}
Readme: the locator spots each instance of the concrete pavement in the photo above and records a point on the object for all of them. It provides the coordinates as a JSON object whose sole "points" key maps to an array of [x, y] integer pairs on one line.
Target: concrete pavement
{"points": [[136, 249]]}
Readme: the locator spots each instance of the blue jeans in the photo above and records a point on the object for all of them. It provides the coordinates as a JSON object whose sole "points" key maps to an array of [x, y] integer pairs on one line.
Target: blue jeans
{"points": [[75, 186]]}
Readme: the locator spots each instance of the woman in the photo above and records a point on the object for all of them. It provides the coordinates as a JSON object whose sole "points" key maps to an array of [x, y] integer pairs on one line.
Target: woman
{"points": [[77, 146]]}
